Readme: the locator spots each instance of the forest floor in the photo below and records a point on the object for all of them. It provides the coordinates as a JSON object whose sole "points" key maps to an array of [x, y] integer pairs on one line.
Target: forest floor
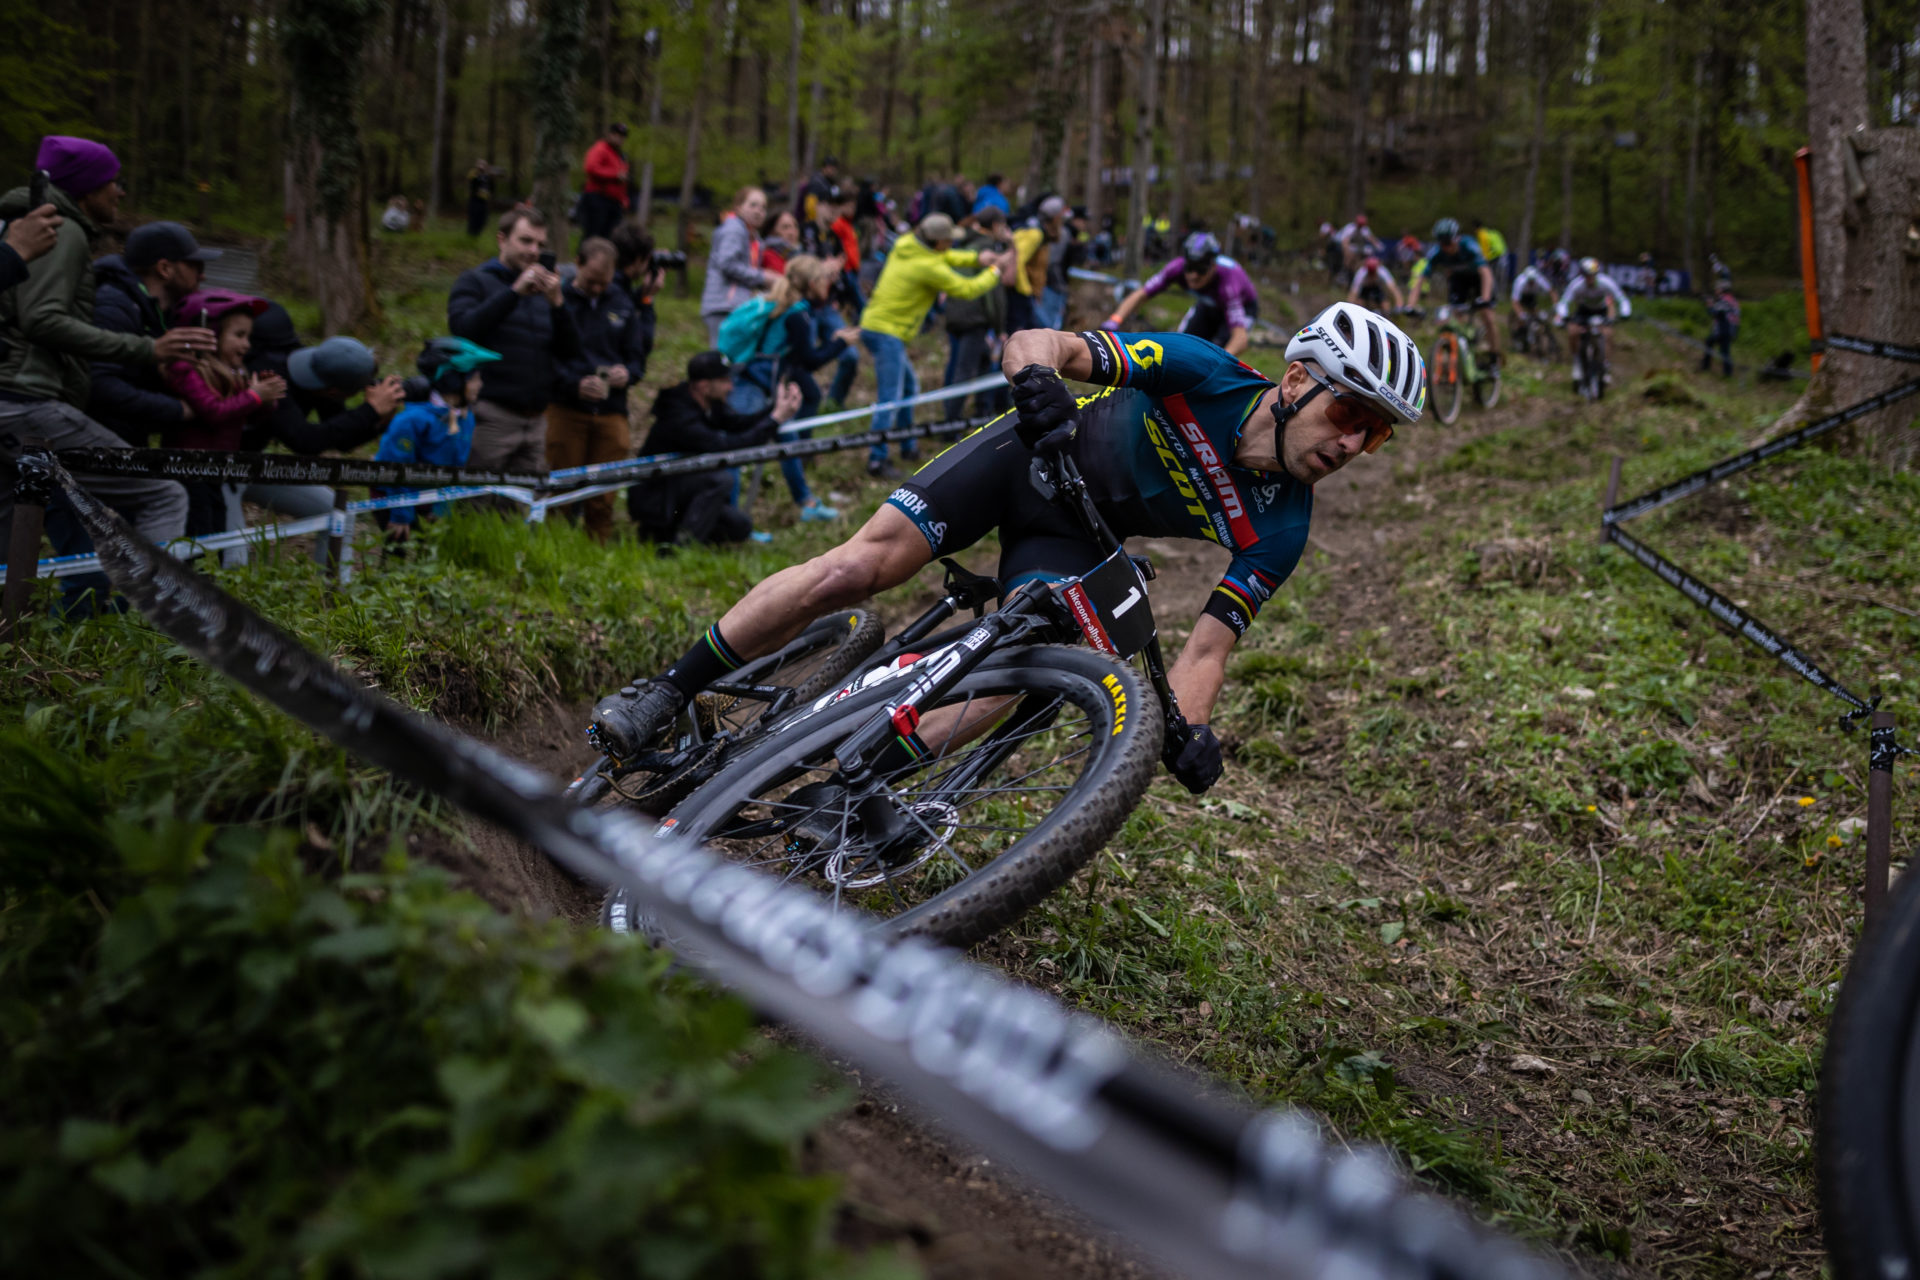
{"points": [[1521, 866]]}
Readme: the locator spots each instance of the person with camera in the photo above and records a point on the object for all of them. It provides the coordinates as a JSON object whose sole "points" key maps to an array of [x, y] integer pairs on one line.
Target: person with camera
{"points": [[512, 305], [587, 422]]}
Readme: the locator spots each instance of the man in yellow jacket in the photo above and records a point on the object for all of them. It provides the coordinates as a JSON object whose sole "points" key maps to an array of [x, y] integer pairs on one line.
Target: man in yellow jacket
{"points": [[920, 268]]}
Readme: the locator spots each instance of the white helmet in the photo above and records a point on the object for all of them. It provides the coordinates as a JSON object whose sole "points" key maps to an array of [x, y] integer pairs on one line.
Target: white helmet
{"points": [[1368, 355]]}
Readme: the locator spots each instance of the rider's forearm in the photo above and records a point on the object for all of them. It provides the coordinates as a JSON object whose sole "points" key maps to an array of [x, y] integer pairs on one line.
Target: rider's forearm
{"points": [[1053, 348], [1486, 283], [1237, 340], [1128, 305], [1201, 669]]}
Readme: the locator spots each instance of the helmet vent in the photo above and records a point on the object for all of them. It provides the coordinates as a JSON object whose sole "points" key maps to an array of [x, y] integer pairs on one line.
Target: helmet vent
{"points": [[1375, 341], [1344, 325]]}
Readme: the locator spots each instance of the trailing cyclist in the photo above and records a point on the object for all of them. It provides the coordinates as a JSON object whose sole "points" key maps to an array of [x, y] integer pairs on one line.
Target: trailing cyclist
{"points": [[1525, 305], [1469, 280], [1226, 304], [1373, 285], [1179, 440], [1357, 241], [1592, 295]]}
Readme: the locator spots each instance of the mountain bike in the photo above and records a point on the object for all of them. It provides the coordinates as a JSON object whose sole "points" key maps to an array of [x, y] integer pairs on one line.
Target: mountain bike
{"points": [[1452, 367], [1534, 334], [956, 777], [1590, 358], [1868, 1142]]}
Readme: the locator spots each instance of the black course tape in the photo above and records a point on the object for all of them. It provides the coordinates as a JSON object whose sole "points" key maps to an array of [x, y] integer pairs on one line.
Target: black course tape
{"points": [[1868, 347], [280, 468], [1211, 1187], [1734, 616], [1753, 457]]}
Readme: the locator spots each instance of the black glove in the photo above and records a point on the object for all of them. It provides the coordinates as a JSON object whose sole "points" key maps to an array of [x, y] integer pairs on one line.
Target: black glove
{"points": [[1046, 410], [1192, 754]]}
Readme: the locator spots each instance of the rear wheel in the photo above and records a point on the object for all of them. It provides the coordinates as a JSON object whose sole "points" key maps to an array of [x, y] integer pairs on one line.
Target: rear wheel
{"points": [[960, 844], [1443, 378], [1486, 389]]}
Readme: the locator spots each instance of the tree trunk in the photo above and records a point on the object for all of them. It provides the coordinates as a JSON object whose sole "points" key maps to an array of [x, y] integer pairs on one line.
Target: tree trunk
{"points": [[1536, 143], [1688, 256], [436, 193], [810, 157], [1049, 107], [696, 108], [1096, 143], [324, 42], [1182, 123], [1836, 106], [1262, 113], [1147, 106], [553, 77], [891, 89], [643, 207], [1366, 42], [796, 36], [1566, 194]]}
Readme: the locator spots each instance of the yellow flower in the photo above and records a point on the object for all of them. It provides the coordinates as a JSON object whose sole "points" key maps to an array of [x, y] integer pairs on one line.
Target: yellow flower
{"points": [[1813, 860], [1834, 842], [1593, 808], [1804, 801]]}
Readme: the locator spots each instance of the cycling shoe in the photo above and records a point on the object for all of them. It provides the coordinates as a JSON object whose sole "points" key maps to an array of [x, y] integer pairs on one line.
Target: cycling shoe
{"points": [[627, 723]]}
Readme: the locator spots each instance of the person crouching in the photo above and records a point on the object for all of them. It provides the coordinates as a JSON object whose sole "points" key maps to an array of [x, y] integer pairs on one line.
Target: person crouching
{"points": [[437, 431]]}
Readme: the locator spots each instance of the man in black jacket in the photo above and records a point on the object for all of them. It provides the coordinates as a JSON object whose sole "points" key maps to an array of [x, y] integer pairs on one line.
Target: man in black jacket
{"points": [[692, 417], [134, 289], [587, 422], [513, 305]]}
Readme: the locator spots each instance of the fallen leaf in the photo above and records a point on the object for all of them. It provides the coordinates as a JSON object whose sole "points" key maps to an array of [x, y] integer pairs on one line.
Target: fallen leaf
{"points": [[1527, 1063], [1581, 1095]]}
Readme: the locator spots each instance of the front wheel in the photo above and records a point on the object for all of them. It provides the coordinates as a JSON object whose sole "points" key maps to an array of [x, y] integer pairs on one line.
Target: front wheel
{"points": [[1868, 1144], [1486, 389], [1444, 376], [1052, 748]]}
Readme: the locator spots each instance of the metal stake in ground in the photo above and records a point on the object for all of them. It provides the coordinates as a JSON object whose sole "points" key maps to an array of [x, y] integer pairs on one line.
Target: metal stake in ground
{"points": [[30, 497], [1883, 750]]}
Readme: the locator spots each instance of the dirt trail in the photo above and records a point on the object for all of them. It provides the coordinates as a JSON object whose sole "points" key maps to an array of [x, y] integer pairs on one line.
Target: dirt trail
{"points": [[907, 1188]]}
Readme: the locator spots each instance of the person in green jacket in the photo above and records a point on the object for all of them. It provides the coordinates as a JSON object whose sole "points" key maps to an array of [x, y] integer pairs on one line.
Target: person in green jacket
{"points": [[920, 268], [46, 372]]}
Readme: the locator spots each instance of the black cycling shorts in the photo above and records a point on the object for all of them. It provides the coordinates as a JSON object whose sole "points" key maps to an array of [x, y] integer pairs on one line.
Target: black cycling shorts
{"points": [[1529, 300], [983, 483], [1463, 286]]}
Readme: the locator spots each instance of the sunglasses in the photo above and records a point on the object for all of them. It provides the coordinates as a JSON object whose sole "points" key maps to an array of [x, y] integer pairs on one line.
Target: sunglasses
{"points": [[1349, 413]]}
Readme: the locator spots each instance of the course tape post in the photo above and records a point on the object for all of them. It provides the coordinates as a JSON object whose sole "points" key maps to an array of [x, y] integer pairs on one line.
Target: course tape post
{"points": [[1210, 1187]]}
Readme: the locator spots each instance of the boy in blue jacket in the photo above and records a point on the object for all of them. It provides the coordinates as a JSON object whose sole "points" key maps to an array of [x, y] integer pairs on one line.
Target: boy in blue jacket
{"points": [[439, 429]]}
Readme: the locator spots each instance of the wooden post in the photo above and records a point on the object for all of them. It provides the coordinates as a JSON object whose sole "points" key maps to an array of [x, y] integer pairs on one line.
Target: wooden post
{"points": [[1882, 753], [23, 546]]}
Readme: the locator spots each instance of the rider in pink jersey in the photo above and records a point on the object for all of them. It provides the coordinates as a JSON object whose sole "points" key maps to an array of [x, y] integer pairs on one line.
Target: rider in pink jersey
{"points": [[1226, 303]]}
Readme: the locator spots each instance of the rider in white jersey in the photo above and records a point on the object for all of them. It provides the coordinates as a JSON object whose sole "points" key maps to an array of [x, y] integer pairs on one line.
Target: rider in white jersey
{"points": [[1590, 295], [1373, 286]]}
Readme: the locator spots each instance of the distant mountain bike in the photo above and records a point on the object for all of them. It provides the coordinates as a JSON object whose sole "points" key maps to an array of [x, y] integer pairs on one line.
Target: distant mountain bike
{"points": [[1535, 335], [1590, 359], [945, 780], [1868, 1141], [1453, 367]]}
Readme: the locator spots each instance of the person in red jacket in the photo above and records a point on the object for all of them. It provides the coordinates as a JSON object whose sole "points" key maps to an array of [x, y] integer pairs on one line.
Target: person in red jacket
{"points": [[604, 198]]}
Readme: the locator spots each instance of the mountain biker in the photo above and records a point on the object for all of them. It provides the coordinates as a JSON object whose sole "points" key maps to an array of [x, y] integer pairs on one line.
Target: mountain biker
{"points": [[1373, 285], [1528, 289], [1591, 295], [1469, 280], [1227, 304], [1357, 241], [1180, 440]]}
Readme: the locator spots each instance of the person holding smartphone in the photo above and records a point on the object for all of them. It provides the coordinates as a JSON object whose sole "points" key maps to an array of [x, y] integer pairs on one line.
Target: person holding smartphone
{"points": [[512, 304]]}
